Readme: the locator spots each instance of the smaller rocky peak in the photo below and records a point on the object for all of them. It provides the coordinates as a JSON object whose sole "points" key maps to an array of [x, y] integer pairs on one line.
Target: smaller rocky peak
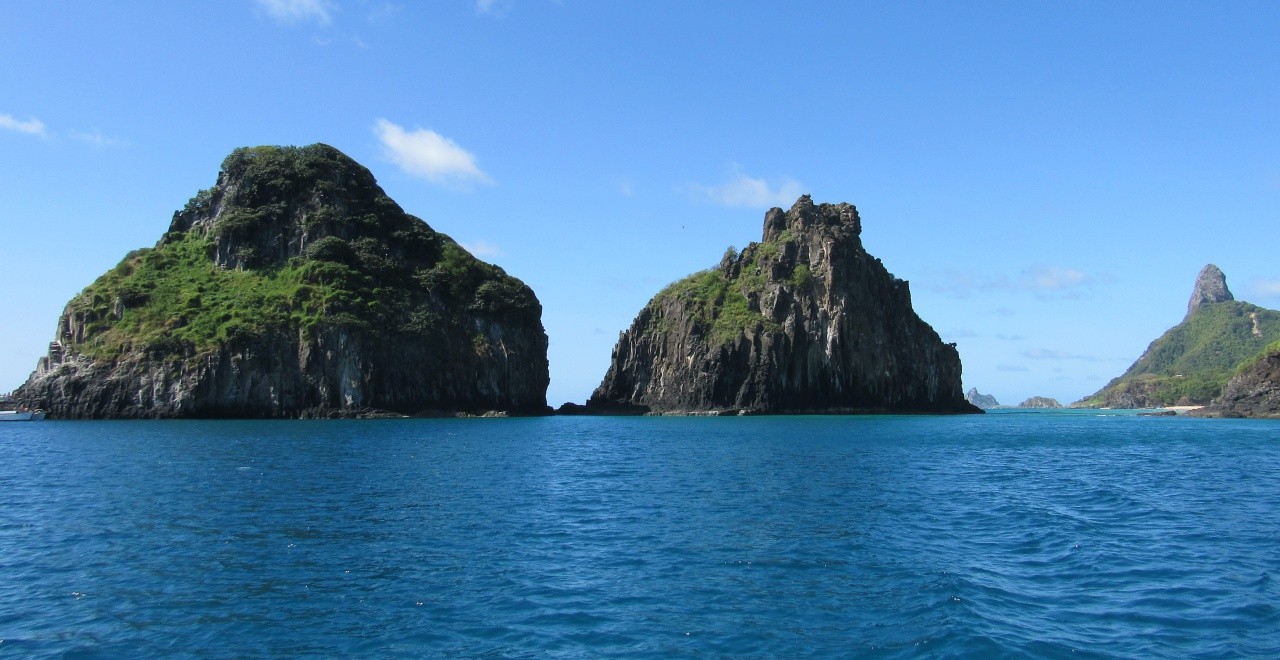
{"points": [[980, 400], [1211, 287], [775, 222]]}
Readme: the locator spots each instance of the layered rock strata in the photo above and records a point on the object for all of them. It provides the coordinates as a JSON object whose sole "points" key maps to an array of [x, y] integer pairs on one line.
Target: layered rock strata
{"points": [[805, 321], [295, 287]]}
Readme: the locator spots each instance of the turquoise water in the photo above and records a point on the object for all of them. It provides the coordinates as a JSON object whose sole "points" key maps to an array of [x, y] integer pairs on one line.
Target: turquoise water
{"points": [[1023, 534]]}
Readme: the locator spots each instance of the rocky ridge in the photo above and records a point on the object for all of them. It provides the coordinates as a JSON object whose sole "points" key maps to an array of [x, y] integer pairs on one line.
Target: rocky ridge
{"points": [[295, 287], [804, 321], [1040, 402]]}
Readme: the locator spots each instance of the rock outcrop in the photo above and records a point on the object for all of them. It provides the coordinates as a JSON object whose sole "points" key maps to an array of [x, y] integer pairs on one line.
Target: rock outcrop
{"points": [[295, 287], [803, 322], [984, 401], [1253, 392], [1191, 362], [1210, 288]]}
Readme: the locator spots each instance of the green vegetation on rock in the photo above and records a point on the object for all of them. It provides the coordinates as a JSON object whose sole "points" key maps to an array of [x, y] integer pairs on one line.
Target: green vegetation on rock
{"points": [[721, 299]]}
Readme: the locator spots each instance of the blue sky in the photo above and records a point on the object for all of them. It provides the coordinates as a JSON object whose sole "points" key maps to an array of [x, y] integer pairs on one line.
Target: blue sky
{"points": [[1049, 177]]}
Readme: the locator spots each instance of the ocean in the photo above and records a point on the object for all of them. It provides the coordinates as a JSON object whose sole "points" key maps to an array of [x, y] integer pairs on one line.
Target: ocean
{"points": [[1027, 534]]}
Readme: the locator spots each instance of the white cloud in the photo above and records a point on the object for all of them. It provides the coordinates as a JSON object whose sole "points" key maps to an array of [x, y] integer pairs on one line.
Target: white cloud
{"points": [[32, 126], [427, 154], [748, 191], [295, 11], [483, 249]]}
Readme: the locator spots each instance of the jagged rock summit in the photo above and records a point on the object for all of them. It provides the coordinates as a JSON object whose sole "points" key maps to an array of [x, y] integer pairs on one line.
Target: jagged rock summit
{"points": [[295, 287], [1211, 287], [1191, 362], [803, 322]]}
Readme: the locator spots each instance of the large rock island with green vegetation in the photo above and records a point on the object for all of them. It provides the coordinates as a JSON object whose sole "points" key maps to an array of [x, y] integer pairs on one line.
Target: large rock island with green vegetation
{"points": [[293, 288], [1191, 363], [804, 321]]}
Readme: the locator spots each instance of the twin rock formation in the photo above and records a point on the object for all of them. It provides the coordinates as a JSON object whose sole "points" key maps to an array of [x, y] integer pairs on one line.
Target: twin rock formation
{"points": [[295, 287]]}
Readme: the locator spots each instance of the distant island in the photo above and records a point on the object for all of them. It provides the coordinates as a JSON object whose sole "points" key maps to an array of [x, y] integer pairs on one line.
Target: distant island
{"points": [[988, 402], [1191, 363], [805, 321], [295, 287]]}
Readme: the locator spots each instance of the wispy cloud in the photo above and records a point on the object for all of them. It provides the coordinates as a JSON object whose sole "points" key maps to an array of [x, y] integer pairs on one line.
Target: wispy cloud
{"points": [[31, 126], [96, 138], [494, 7], [1265, 288], [1005, 337], [299, 11], [483, 249], [1011, 368], [427, 154], [1046, 282], [747, 191], [1048, 354]]}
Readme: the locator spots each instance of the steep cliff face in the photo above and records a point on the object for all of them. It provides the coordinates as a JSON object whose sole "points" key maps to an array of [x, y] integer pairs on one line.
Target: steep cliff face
{"points": [[1191, 362], [803, 322], [295, 287]]}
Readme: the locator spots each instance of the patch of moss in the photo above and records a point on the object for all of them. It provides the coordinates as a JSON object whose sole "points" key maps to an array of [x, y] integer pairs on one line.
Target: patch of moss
{"points": [[719, 304]]}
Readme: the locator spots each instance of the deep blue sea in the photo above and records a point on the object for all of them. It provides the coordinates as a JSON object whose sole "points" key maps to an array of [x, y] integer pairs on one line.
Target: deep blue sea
{"points": [[1017, 534]]}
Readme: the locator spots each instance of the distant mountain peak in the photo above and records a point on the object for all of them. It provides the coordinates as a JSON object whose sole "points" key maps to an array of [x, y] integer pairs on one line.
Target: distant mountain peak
{"points": [[1211, 287]]}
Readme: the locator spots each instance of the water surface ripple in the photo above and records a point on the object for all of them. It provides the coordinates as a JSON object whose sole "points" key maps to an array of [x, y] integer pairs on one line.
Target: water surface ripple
{"points": [[1008, 534]]}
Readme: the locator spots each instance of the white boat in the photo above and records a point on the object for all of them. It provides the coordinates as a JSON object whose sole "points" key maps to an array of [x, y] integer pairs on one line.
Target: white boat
{"points": [[21, 416]]}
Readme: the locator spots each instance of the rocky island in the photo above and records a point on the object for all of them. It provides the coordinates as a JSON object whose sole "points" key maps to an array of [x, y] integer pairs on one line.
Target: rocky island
{"points": [[295, 287], [805, 321], [1190, 364]]}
